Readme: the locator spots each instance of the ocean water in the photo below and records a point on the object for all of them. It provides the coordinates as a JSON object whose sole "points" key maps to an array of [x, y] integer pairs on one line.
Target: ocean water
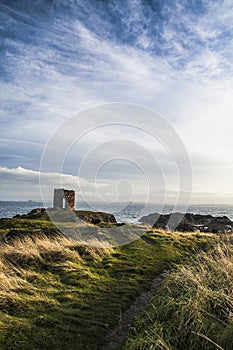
{"points": [[123, 212], [8, 209]]}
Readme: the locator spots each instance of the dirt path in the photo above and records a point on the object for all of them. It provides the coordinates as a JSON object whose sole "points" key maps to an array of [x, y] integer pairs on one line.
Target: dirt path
{"points": [[116, 336]]}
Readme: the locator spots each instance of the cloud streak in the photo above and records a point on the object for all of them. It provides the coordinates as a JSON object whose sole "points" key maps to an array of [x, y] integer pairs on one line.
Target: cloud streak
{"points": [[60, 57]]}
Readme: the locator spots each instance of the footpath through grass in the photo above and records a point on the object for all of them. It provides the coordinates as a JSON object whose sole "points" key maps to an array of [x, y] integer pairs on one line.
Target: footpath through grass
{"points": [[193, 309], [56, 293]]}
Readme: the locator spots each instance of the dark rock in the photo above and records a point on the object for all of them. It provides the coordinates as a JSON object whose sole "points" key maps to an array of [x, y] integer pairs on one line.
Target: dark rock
{"points": [[188, 222], [95, 217]]}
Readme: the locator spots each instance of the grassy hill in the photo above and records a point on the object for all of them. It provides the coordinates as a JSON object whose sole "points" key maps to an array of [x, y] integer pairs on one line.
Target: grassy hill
{"points": [[57, 293]]}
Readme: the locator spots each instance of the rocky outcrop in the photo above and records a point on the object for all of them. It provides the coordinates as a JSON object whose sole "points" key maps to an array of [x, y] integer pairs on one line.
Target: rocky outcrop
{"points": [[91, 217], [189, 222], [41, 221], [37, 213]]}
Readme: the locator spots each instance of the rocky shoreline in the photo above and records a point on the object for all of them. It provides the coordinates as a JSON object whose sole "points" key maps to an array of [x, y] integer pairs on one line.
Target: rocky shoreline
{"points": [[189, 222]]}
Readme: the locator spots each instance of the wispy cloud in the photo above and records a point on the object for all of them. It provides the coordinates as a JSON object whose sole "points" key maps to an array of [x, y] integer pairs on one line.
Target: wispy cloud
{"points": [[176, 57]]}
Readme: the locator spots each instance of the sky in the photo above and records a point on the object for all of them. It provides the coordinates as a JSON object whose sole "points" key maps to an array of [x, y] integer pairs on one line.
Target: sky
{"points": [[61, 58]]}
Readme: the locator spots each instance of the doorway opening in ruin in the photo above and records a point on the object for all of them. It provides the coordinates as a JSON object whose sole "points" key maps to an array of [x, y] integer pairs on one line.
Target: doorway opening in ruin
{"points": [[64, 199]]}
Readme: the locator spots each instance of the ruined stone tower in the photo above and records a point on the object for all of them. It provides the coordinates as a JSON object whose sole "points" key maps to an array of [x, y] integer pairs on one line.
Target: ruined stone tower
{"points": [[64, 199]]}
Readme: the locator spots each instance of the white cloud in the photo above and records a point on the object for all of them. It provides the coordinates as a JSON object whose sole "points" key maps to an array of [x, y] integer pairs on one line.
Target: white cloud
{"points": [[17, 182]]}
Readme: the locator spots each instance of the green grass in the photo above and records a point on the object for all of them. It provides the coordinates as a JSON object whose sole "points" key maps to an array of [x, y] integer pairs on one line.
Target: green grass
{"points": [[56, 293], [113, 233], [193, 308]]}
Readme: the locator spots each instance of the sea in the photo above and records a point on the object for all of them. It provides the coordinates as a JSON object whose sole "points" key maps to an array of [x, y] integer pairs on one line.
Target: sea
{"points": [[124, 212]]}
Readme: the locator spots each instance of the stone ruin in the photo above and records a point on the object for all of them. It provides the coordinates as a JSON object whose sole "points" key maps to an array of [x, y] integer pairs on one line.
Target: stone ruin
{"points": [[64, 199]]}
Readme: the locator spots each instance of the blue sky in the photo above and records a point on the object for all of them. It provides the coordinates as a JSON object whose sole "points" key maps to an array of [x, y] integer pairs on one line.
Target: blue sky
{"points": [[60, 57]]}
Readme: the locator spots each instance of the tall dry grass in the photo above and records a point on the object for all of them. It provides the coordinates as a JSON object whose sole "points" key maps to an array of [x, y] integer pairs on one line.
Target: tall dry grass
{"points": [[24, 258], [194, 307]]}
